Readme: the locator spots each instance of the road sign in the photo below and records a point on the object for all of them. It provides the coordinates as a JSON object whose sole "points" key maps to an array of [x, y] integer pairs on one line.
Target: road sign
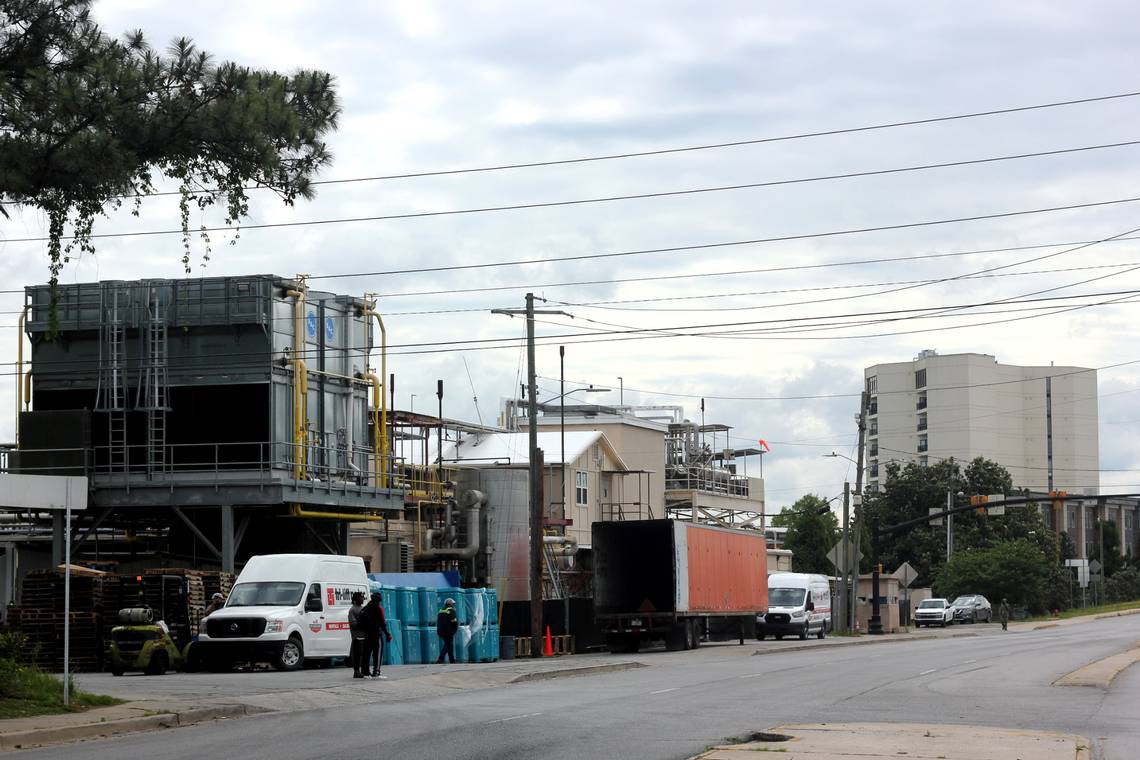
{"points": [[934, 511], [835, 555], [999, 510], [1094, 566], [906, 574], [43, 492]]}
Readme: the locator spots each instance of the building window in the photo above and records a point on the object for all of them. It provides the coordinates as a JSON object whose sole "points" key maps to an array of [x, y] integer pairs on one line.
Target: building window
{"points": [[921, 403], [922, 422], [920, 378], [873, 487], [872, 385], [581, 488], [874, 428], [923, 443], [874, 469], [1047, 516], [923, 461], [873, 405], [1071, 522]]}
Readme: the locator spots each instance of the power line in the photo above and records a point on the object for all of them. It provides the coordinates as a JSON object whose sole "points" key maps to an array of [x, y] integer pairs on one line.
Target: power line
{"points": [[584, 201], [694, 148]]}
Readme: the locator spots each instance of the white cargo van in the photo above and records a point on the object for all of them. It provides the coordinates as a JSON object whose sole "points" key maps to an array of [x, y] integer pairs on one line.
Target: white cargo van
{"points": [[284, 609], [799, 604]]}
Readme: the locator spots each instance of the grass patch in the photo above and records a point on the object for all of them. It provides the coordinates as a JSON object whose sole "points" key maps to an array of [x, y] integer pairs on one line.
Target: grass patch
{"points": [[844, 634], [26, 692], [1102, 609]]}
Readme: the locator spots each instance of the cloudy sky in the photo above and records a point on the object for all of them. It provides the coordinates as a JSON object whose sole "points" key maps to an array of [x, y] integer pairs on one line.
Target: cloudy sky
{"points": [[433, 86]]}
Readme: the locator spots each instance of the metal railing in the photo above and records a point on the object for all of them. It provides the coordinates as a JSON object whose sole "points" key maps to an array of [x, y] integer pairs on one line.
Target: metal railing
{"points": [[708, 480], [923, 446], [922, 425], [613, 511]]}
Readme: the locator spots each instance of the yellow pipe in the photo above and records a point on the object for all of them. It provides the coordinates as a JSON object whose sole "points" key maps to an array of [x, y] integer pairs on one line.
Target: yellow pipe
{"points": [[383, 429], [377, 394], [20, 365], [300, 380], [296, 511], [28, 391]]}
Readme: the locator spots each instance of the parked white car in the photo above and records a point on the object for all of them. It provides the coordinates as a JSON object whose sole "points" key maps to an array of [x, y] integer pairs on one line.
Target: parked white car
{"points": [[934, 612]]}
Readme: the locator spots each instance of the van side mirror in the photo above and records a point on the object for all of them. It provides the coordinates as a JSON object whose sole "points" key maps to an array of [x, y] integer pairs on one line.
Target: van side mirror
{"points": [[810, 605], [313, 604]]}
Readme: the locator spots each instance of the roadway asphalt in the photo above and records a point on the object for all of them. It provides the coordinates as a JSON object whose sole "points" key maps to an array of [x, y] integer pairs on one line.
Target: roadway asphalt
{"points": [[684, 702]]}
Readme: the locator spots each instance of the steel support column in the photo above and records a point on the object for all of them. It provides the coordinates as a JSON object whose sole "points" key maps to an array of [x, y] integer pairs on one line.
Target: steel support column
{"points": [[227, 539], [56, 538]]}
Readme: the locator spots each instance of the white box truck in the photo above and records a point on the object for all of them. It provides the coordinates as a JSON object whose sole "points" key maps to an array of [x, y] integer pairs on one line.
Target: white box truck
{"points": [[284, 609], [799, 604]]}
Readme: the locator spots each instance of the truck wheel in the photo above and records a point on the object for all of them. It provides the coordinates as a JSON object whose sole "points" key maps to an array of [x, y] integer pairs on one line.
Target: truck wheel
{"points": [[619, 643], [291, 656], [696, 625], [158, 664], [821, 632]]}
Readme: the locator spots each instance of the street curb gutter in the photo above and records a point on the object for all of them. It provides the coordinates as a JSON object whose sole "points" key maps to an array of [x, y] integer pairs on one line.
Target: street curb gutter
{"points": [[858, 642], [590, 670], [1101, 673], [43, 736]]}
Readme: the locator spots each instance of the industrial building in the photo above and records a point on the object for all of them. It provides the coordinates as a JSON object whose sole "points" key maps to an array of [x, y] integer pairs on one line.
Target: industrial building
{"points": [[215, 418]]}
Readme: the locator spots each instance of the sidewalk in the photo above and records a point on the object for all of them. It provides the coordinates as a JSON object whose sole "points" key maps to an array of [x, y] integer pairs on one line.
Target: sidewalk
{"points": [[868, 741]]}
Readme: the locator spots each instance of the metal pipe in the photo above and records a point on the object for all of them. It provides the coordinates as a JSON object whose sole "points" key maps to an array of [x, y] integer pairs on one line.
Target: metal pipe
{"points": [[295, 510], [569, 544], [27, 391], [300, 380], [377, 395], [20, 365], [382, 430], [474, 501]]}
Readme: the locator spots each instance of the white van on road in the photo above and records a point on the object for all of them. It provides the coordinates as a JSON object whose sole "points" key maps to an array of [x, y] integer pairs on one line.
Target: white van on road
{"points": [[284, 609], [799, 604]]}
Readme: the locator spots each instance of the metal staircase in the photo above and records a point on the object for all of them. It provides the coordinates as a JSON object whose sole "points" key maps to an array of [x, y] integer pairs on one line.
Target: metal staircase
{"points": [[552, 585], [112, 394]]}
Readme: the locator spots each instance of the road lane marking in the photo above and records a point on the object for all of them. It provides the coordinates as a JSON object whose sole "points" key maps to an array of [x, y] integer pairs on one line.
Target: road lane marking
{"points": [[969, 662], [757, 675], [928, 672], [514, 717], [662, 691]]}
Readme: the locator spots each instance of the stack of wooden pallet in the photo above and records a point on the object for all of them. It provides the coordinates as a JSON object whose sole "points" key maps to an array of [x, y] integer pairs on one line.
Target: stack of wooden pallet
{"points": [[43, 590], [40, 618]]}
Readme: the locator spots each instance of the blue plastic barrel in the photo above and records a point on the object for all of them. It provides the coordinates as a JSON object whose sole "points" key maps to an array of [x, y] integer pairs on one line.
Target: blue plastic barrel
{"points": [[412, 653], [406, 605], [429, 643], [388, 600], [493, 649], [394, 649], [426, 605], [492, 605], [475, 599]]}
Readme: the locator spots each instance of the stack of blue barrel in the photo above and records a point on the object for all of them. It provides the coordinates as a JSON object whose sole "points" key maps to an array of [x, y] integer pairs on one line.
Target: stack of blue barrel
{"points": [[412, 611]]}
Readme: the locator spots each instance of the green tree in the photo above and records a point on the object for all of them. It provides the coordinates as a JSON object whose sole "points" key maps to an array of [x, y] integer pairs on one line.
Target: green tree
{"points": [[912, 490], [1015, 570], [87, 120], [1110, 540], [812, 530]]}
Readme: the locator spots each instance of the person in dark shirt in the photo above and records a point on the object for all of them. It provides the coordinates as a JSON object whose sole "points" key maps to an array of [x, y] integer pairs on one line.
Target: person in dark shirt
{"points": [[446, 624], [372, 622], [356, 654], [217, 601]]}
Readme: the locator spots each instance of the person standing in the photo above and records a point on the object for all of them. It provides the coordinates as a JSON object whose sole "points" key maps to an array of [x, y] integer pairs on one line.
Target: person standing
{"points": [[217, 601], [446, 624], [373, 623], [356, 653], [1003, 614]]}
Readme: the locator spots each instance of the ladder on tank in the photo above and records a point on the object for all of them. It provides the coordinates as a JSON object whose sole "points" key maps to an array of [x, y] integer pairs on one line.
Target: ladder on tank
{"points": [[155, 385], [112, 397]]}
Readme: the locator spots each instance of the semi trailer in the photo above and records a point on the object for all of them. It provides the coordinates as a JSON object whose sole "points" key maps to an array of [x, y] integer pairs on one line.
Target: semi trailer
{"points": [[676, 581]]}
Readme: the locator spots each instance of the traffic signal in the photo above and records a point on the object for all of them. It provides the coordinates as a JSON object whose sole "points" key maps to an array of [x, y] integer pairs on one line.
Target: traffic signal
{"points": [[979, 501]]}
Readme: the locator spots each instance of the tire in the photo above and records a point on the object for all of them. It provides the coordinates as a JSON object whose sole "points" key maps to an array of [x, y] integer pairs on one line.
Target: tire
{"points": [[779, 637], [821, 632], [159, 662], [760, 636], [696, 624], [943, 623], [805, 631], [116, 671], [291, 656]]}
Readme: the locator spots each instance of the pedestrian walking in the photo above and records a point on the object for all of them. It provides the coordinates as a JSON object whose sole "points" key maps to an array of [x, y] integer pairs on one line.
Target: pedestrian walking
{"points": [[446, 624], [217, 601], [373, 623], [1003, 614], [356, 653]]}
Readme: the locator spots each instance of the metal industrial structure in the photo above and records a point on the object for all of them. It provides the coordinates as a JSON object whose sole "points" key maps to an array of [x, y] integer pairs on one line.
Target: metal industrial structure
{"points": [[214, 417]]}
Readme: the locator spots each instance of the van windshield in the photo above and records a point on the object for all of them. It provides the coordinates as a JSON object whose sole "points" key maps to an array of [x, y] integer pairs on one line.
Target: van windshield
{"points": [[786, 597], [266, 594]]}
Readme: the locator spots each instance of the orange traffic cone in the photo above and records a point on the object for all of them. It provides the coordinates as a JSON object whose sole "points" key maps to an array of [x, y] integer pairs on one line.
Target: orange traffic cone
{"points": [[548, 647]]}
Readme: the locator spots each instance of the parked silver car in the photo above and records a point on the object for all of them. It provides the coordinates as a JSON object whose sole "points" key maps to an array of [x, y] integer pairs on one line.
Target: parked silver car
{"points": [[933, 612], [973, 608]]}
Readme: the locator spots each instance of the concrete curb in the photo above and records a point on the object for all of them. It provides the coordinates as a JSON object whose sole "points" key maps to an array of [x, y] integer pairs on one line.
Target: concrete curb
{"points": [[43, 736], [1100, 674], [1122, 613], [862, 641], [589, 670]]}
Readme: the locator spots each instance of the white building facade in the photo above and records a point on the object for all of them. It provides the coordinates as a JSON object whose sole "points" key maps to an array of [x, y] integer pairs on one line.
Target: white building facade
{"points": [[1039, 422]]}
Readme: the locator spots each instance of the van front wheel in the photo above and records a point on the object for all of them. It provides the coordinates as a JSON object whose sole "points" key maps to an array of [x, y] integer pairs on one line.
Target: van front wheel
{"points": [[291, 656]]}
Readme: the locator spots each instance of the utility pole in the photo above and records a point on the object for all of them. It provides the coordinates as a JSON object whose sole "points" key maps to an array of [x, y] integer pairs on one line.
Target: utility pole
{"points": [[536, 467], [845, 559], [861, 420]]}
